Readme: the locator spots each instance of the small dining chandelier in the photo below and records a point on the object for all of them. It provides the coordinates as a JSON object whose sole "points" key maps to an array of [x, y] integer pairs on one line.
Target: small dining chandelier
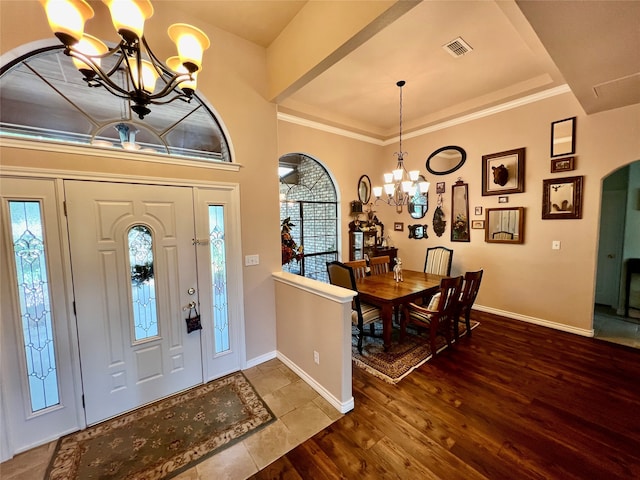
{"points": [[401, 187], [143, 79]]}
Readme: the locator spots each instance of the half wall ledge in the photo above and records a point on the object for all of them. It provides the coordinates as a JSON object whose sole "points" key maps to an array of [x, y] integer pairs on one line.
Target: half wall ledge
{"points": [[313, 335]]}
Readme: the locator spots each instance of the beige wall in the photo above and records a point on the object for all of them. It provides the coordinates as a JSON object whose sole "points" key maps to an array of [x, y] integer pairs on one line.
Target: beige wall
{"points": [[529, 281], [234, 83]]}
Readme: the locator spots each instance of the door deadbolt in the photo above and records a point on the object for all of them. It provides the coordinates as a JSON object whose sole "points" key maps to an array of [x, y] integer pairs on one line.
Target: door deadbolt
{"points": [[191, 291]]}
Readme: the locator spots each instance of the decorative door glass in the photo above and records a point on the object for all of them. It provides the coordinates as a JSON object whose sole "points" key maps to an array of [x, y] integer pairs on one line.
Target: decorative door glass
{"points": [[35, 307], [143, 290], [219, 278]]}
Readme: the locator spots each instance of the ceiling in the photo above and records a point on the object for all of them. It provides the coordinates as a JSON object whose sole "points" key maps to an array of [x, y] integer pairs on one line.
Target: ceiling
{"points": [[519, 49]]}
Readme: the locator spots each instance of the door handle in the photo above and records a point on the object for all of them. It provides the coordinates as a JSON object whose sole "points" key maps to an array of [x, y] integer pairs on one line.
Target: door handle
{"points": [[189, 306], [611, 256]]}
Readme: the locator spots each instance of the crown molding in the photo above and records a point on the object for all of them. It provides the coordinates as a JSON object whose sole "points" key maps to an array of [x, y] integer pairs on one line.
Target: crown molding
{"points": [[487, 112]]}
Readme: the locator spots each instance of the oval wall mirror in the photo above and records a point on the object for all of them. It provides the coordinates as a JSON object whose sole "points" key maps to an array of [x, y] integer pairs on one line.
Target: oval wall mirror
{"points": [[446, 160], [364, 189]]}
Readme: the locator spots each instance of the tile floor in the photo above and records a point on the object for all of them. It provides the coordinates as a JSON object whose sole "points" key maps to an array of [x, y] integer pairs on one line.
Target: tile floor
{"points": [[301, 414], [615, 328]]}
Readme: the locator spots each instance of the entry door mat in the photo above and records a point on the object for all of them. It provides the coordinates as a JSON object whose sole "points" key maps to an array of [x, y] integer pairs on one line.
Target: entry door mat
{"points": [[164, 438], [402, 358]]}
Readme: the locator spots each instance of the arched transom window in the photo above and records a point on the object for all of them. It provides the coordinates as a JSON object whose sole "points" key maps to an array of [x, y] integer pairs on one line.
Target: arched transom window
{"points": [[43, 96]]}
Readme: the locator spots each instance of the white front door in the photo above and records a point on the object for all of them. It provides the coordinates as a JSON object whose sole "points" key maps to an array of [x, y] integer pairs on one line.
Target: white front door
{"points": [[134, 271], [38, 351]]}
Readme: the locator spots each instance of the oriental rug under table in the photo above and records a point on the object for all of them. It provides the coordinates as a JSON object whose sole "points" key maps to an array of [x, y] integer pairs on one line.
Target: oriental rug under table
{"points": [[402, 358]]}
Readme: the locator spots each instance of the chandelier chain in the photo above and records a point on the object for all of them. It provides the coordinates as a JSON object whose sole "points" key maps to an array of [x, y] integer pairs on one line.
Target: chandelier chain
{"points": [[400, 156]]}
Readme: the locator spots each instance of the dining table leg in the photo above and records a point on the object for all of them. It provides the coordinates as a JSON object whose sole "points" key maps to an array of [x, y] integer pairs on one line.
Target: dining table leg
{"points": [[387, 324]]}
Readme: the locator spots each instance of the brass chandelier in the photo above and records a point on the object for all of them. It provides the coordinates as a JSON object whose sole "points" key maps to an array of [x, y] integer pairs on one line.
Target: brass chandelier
{"points": [[401, 187], [143, 78]]}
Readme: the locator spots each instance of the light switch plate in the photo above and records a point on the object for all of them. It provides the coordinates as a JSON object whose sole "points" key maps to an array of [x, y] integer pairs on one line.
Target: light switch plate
{"points": [[250, 260]]}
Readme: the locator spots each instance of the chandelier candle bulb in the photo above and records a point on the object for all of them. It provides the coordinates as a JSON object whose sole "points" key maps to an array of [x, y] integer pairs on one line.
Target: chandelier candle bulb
{"points": [[89, 46], [67, 18], [191, 43], [128, 17], [149, 75], [176, 66]]}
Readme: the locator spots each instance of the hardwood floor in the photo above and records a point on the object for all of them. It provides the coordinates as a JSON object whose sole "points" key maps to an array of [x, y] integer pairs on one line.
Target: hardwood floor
{"points": [[514, 401]]}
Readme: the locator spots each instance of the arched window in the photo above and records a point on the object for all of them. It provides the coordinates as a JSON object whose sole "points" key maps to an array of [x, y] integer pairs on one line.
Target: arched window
{"points": [[44, 97], [308, 198]]}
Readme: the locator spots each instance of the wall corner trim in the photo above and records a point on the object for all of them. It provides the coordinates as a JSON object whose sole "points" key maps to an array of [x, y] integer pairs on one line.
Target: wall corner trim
{"points": [[342, 407]]}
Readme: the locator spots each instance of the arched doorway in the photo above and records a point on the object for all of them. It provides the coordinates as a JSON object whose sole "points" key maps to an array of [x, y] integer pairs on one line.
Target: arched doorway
{"points": [[619, 242], [308, 198]]}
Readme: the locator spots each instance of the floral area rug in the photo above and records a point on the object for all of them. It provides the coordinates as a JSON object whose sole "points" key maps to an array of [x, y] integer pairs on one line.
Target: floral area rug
{"points": [[165, 438], [402, 358]]}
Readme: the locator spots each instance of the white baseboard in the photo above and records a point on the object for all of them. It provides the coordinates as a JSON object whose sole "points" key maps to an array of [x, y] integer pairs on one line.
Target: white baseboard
{"points": [[342, 407], [261, 359], [537, 321]]}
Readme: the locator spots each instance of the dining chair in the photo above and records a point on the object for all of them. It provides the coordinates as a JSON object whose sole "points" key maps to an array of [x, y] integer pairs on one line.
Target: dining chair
{"points": [[359, 267], [468, 296], [361, 313], [379, 264], [438, 316], [438, 260]]}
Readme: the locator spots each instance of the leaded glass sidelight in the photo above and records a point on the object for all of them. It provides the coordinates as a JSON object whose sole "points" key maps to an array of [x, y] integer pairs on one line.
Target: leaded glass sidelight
{"points": [[143, 290], [35, 307], [219, 278]]}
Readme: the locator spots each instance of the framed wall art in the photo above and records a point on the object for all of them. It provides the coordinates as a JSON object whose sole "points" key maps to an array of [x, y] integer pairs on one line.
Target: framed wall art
{"points": [[563, 137], [418, 232], [477, 224], [504, 225], [562, 164], [398, 226], [562, 198], [503, 172], [460, 212]]}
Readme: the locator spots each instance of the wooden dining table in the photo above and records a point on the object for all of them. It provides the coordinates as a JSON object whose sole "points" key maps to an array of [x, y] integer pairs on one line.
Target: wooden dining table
{"points": [[383, 291]]}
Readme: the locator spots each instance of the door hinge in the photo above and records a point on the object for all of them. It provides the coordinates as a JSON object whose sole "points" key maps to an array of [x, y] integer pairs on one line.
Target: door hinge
{"points": [[74, 308], [64, 207], [83, 401]]}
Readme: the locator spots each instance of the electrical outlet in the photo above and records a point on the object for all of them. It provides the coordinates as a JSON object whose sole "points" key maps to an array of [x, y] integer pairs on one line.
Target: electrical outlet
{"points": [[316, 357], [251, 260], [555, 245]]}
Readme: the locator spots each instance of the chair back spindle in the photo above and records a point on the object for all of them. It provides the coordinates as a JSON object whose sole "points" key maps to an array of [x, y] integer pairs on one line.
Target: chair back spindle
{"points": [[379, 264], [467, 298], [362, 313], [438, 260], [359, 267]]}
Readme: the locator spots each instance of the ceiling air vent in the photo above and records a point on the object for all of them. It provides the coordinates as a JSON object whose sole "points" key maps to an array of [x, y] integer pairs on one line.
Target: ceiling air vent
{"points": [[457, 47]]}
